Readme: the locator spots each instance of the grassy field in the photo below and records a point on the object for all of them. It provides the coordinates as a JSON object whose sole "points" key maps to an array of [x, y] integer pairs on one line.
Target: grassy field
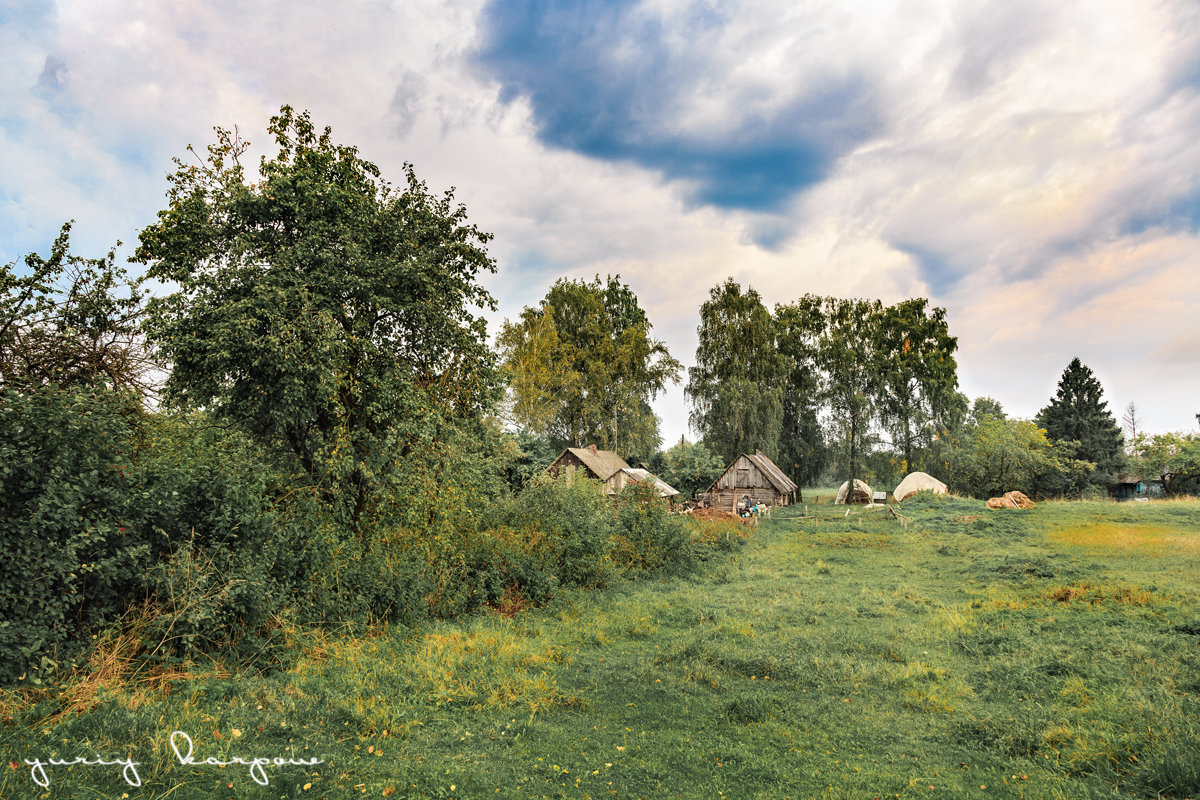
{"points": [[956, 652]]}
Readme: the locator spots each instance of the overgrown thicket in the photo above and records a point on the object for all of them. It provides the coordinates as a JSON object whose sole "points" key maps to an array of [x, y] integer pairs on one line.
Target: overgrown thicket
{"points": [[322, 454], [112, 515]]}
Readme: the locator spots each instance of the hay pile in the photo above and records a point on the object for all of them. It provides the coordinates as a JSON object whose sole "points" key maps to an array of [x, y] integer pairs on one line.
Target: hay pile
{"points": [[861, 494], [918, 482], [1010, 500]]}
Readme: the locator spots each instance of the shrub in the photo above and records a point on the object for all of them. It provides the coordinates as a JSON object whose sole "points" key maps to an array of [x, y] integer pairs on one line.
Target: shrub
{"points": [[64, 475], [568, 525], [649, 538], [110, 506]]}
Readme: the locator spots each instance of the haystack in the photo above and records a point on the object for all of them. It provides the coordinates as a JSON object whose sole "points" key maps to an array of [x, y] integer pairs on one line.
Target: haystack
{"points": [[918, 482], [1010, 500], [860, 495]]}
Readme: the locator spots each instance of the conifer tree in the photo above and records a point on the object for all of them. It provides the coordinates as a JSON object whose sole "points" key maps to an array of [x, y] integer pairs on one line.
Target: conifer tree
{"points": [[1079, 414]]}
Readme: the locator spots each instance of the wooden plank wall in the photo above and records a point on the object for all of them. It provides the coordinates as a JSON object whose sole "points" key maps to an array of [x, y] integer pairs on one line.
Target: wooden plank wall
{"points": [[741, 479]]}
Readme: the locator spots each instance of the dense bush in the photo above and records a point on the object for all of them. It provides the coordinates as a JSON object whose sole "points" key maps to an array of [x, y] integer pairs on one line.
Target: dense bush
{"points": [[649, 538], [70, 556], [106, 507], [568, 524], [188, 532]]}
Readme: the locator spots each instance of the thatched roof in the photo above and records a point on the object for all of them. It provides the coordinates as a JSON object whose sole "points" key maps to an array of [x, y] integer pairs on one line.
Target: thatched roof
{"points": [[602, 463], [918, 482]]}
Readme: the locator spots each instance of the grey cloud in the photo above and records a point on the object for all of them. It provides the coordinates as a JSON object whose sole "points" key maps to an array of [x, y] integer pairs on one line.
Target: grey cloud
{"points": [[406, 102], [54, 74]]}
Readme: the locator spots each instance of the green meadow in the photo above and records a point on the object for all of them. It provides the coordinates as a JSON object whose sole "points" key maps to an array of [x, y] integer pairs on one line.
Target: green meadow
{"points": [[949, 652]]}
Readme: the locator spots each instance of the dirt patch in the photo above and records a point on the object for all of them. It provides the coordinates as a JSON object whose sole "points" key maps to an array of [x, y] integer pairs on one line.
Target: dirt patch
{"points": [[717, 514]]}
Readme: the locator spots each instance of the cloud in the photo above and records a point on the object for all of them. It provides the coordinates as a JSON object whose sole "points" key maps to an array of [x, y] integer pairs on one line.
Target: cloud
{"points": [[677, 91], [1126, 308], [1033, 169]]}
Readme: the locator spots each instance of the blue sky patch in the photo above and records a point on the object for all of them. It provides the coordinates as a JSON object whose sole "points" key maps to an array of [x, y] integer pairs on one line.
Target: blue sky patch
{"points": [[603, 81]]}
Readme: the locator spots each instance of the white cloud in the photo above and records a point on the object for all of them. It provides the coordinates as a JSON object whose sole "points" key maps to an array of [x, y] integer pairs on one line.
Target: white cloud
{"points": [[1023, 144]]}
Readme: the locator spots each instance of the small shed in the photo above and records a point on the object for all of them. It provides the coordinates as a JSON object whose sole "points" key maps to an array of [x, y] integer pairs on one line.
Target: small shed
{"points": [[1135, 487], [609, 468], [751, 476]]}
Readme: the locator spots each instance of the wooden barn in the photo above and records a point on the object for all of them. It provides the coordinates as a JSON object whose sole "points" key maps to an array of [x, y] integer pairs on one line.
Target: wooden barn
{"points": [[607, 467], [755, 477]]}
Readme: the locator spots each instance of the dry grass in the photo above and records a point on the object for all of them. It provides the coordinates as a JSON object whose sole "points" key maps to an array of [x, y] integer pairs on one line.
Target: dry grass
{"points": [[1156, 540], [114, 670], [1104, 594]]}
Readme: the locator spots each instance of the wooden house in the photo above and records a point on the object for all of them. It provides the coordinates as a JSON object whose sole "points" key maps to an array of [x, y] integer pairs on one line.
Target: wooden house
{"points": [[1135, 487], [608, 468], [755, 477]]}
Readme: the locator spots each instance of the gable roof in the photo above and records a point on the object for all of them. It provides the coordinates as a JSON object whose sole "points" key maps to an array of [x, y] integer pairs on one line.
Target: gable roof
{"points": [[603, 463], [782, 483], [774, 474], [663, 488]]}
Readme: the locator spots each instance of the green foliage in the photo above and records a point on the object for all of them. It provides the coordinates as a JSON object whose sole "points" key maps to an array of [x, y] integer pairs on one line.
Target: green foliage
{"points": [[849, 351], [920, 397], [71, 321], [320, 309], [985, 406], [114, 508], [736, 387], [688, 467], [571, 522], [536, 453], [238, 542], [774, 383], [1078, 414], [1174, 458], [992, 456], [650, 539], [803, 451], [65, 457], [584, 369]]}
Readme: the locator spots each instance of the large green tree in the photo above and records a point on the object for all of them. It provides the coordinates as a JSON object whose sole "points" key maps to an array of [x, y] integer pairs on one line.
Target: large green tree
{"points": [[688, 467], [583, 367], [325, 311], [736, 388], [849, 356], [919, 377], [1078, 414], [992, 455], [799, 328], [1173, 457]]}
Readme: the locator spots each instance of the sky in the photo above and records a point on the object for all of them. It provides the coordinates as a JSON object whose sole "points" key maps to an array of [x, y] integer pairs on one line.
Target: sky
{"points": [[1032, 167]]}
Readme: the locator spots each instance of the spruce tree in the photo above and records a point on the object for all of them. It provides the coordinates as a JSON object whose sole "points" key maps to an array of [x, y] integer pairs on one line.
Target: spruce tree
{"points": [[1078, 413]]}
